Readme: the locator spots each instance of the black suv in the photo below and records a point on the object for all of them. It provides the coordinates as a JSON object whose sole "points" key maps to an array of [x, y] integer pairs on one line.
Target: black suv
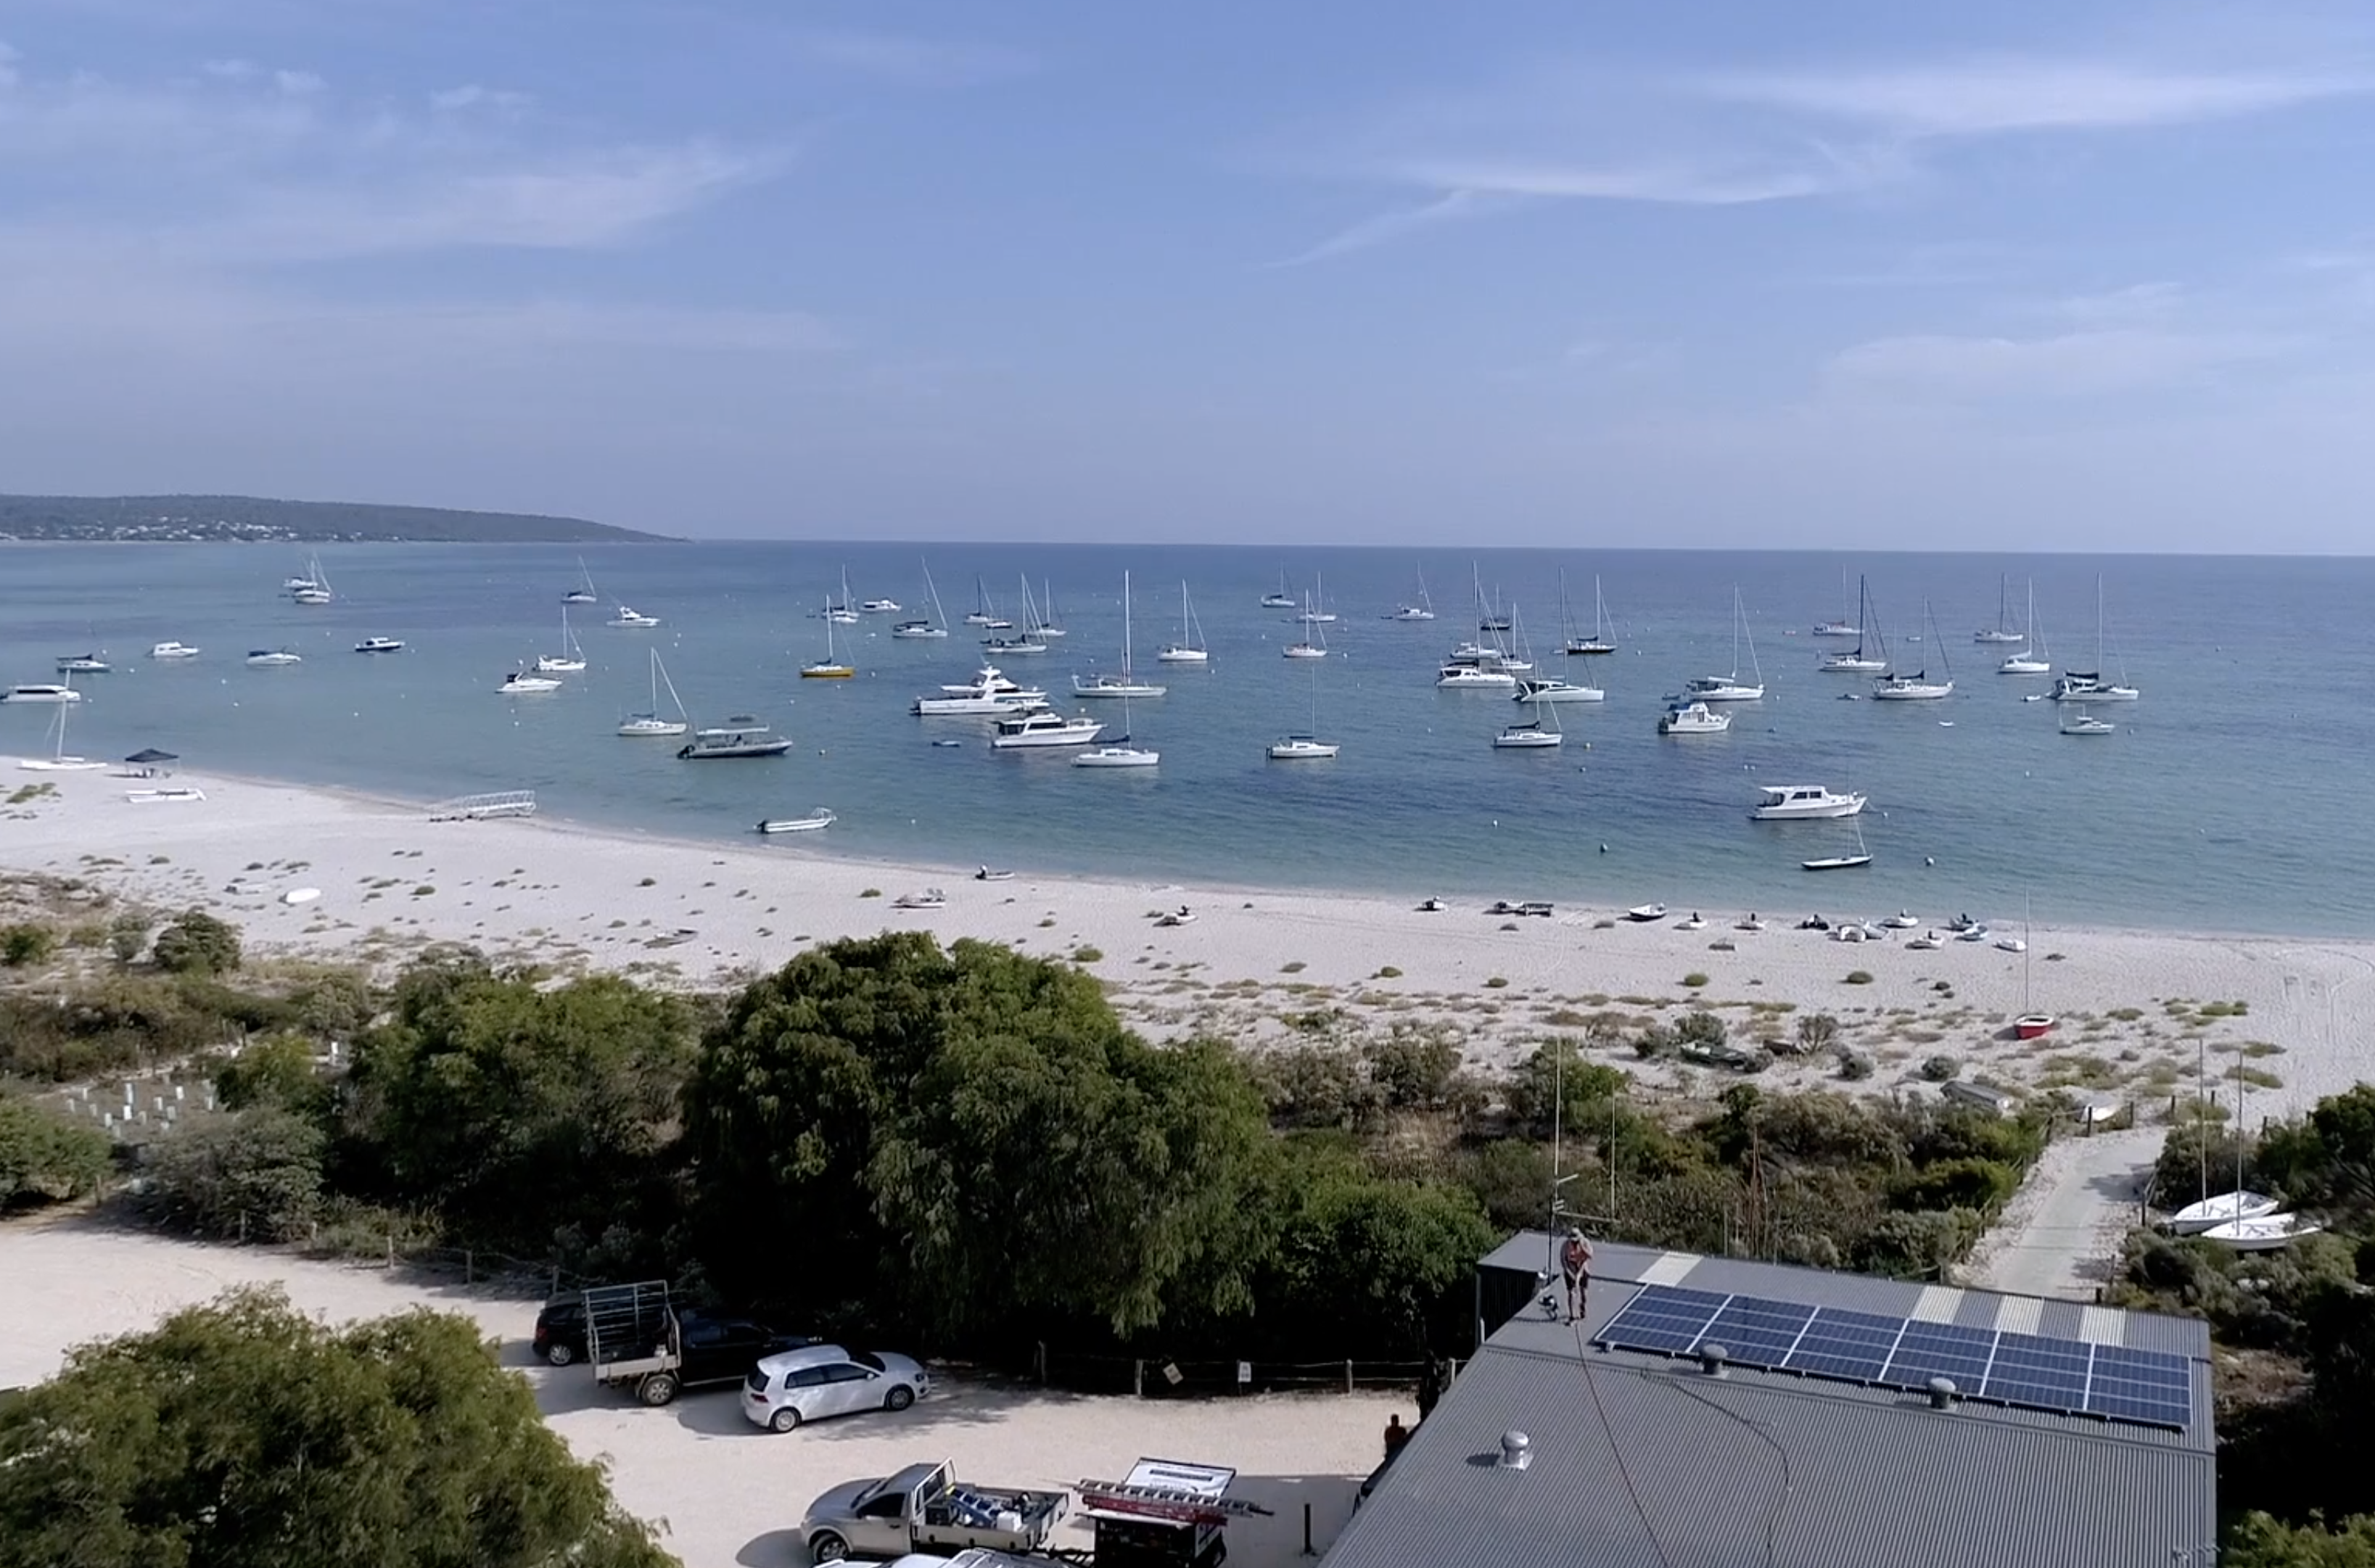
{"points": [[717, 1348]]}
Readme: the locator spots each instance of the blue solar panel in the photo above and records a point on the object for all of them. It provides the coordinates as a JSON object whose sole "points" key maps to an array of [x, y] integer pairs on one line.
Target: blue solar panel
{"points": [[2049, 1374], [1941, 1350], [1757, 1332], [2143, 1387], [1851, 1346], [1663, 1318]]}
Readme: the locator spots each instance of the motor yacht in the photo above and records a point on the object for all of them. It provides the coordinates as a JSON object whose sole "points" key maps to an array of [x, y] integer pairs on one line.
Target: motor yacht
{"points": [[743, 735], [270, 658], [1802, 803], [390, 645], [630, 617], [1693, 718], [1549, 689], [1023, 731], [2078, 721], [1455, 677], [40, 693], [880, 607], [173, 651], [521, 683], [990, 692]]}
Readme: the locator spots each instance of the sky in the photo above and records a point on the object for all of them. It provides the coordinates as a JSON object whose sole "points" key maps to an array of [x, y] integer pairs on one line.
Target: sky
{"points": [[2022, 277]]}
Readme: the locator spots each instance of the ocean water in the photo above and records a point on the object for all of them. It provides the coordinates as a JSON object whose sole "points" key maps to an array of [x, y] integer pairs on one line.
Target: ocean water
{"points": [[2235, 796]]}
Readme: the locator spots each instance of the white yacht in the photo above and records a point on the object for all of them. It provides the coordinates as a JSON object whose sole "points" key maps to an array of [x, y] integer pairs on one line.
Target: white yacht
{"points": [[584, 593], [2078, 721], [40, 693], [521, 683], [83, 663], [880, 607], [2031, 658], [272, 658], [1693, 718], [387, 645], [1531, 735], [1730, 688], [1189, 649], [1461, 677], [630, 617], [1125, 684], [1315, 609], [1797, 803], [1302, 749], [990, 693], [1281, 599], [571, 657], [1855, 661], [1597, 643], [1023, 731], [648, 723], [1917, 687], [315, 590], [173, 651], [936, 628], [2003, 631], [1549, 689], [1423, 610]]}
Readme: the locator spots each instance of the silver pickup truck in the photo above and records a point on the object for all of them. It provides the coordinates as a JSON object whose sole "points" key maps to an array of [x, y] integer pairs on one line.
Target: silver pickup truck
{"points": [[923, 1508]]}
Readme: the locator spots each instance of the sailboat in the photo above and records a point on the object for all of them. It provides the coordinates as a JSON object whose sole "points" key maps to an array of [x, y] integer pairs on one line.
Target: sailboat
{"points": [[1537, 733], [1854, 662], [583, 594], [1862, 856], [1315, 608], [827, 667], [1306, 746], [1028, 641], [936, 627], [571, 657], [1048, 625], [1281, 599], [649, 723], [316, 589], [2264, 1232], [1126, 685], [1730, 688], [1598, 641], [2031, 659], [1917, 687], [1308, 648], [2075, 685], [1189, 649], [1118, 752], [1423, 610], [2228, 1208], [2076, 720], [1842, 628], [843, 610], [984, 613], [57, 761], [2004, 630], [2031, 1024]]}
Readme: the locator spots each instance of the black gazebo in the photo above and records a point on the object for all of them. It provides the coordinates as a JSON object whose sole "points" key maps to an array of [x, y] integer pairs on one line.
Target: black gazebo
{"points": [[150, 762]]}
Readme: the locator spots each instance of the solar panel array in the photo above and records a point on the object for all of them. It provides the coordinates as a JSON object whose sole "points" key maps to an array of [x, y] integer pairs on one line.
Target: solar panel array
{"points": [[2065, 1377]]}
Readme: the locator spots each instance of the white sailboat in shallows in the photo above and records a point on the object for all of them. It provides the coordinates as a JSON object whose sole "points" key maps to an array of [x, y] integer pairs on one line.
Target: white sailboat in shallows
{"points": [[649, 723]]}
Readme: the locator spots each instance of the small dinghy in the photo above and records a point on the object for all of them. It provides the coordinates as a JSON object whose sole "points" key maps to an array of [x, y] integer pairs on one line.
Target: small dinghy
{"points": [[815, 822], [2196, 1218], [990, 874], [2267, 1232], [1183, 916], [1901, 921], [1927, 942], [1693, 923], [1433, 906], [1751, 924], [1972, 934], [930, 898], [1645, 912]]}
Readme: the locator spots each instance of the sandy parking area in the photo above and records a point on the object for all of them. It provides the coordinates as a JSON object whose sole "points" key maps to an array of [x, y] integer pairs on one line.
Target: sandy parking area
{"points": [[730, 1494]]}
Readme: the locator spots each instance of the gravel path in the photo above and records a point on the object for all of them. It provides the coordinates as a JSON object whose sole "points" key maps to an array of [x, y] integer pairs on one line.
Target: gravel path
{"points": [[2060, 1236]]}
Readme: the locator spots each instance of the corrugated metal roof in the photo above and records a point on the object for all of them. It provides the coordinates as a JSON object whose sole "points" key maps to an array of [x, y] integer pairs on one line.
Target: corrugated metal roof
{"points": [[1749, 1470], [1531, 1250]]}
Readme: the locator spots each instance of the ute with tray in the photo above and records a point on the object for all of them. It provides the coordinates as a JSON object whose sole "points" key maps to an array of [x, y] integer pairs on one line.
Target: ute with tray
{"points": [[636, 1339], [924, 1507]]}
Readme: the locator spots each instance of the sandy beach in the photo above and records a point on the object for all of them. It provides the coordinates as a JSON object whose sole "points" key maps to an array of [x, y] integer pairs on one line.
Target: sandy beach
{"points": [[1252, 964]]}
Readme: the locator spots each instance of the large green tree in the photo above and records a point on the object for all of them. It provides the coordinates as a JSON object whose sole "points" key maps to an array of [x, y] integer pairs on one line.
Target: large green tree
{"points": [[972, 1135], [518, 1110], [243, 1434], [45, 1156]]}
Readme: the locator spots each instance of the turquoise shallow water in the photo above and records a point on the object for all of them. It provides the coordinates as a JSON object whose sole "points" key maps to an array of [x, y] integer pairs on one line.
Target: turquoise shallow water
{"points": [[2236, 796]]}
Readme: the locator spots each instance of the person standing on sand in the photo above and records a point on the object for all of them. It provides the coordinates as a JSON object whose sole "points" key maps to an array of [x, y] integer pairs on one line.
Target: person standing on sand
{"points": [[1575, 1263], [1430, 1388], [1396, 1434]]}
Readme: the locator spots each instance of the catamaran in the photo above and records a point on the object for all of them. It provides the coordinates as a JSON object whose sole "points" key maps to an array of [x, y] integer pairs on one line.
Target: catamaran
{"points": [[938, 627], [1917, 687], [2004, 630], [828, 667], [584, 594], [1730, 688], [1189, 649], [1127, 683], [571, 657], [648, 723], [57, 761], [1306, 747], [1854, 662], [2089, 685]]}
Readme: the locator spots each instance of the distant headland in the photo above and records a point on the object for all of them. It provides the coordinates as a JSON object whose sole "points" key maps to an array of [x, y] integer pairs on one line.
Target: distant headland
{"points": [[242, 519]]}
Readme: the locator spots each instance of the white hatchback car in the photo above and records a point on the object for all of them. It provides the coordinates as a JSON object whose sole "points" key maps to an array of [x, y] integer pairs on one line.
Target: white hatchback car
{"points": [[816, 1381]]}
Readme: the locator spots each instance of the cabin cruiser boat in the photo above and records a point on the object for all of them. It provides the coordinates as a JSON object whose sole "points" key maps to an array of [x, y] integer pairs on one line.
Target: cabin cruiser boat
{"points": [[1044, 728], [1693, 718], [393, 645], [743, 735], [2081, 722], [1549, 689], [633, 618], [40, 693], [173, 651], [267, 658], [1789, 803], [520, 683], [83, 663]]}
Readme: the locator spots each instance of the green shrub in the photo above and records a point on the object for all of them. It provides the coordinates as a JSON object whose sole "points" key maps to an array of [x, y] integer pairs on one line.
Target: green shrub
{"points": [[127, 937], [1496, 983], [1700, 1028], [1389, 972], [1979, 1184], [26, 943], [250, 1175], [45, 1156], [1817, 1033], [1939, 1069], [197, 943], [1694, 980], [1088, 955]]}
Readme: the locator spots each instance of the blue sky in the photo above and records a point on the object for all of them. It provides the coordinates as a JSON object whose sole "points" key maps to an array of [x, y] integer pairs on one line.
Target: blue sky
{"points": [[2024, 277]]}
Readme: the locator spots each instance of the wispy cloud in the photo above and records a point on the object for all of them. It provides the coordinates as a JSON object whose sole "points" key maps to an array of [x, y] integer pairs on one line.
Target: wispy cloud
{"points": [[1677, 184], [2065, 365], [899, 57], [473, 96], [1985, 96], [1386, 227]]}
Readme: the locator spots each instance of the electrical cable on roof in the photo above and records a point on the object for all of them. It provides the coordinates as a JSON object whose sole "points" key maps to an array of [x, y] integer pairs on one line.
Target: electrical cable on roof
{"points": [[1623, 1469], [1781, 1497]]}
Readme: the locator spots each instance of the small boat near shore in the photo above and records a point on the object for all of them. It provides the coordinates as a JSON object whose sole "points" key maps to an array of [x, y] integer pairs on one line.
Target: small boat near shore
{"points": [[1643, 914], [743, 735], [993, 874], [173, 795], [170, 650], [930, 898], [815, 822], [396, 645]]}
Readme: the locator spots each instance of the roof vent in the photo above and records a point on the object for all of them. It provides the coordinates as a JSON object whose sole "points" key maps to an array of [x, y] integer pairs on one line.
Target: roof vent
{"points": [[1942, 1393], [1517, 1451], [1712, 1357]]}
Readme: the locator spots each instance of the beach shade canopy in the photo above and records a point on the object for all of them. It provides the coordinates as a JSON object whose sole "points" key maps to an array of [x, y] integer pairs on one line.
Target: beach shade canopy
{"points": [[151, 755]]}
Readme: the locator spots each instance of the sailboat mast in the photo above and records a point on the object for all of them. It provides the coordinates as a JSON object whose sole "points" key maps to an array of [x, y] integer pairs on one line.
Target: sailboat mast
{"points": [[1125, 637]]}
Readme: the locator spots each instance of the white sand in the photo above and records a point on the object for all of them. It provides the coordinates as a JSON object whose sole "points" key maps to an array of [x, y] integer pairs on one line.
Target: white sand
{"points": [[728, 1493], [699, 913]]}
